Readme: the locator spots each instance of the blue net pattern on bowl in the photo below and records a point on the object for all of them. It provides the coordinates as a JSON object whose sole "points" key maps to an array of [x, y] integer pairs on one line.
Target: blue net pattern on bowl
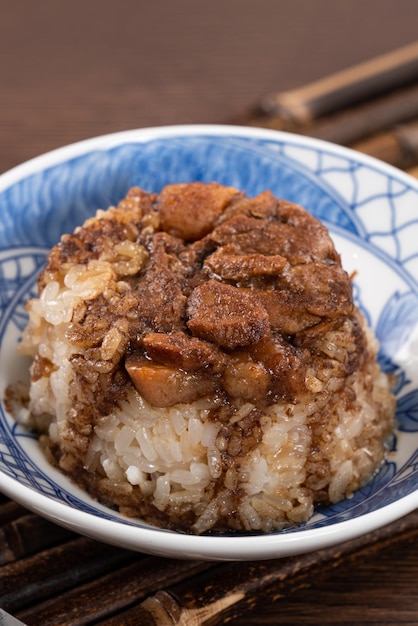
{"points": [[38, 209]]}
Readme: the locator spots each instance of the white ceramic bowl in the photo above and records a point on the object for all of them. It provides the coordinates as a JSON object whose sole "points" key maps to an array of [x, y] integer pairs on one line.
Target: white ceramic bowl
{"points": [[371, 210]]}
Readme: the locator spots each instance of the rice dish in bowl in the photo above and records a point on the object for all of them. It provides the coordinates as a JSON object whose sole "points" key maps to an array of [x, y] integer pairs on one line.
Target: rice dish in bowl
{"points": [[199, 362]]}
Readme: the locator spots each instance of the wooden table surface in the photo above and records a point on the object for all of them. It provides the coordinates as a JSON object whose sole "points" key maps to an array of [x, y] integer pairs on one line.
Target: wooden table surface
{"points": [[69, 71]]}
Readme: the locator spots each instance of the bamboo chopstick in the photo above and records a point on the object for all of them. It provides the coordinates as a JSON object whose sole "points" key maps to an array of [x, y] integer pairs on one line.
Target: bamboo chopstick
{"points": [[356, 84], [28, 534], [114, 592], [218, 597], [398, 147], [413, 171], [359, 122], [9, 511], [385, 127], [354, 123], [35, 578]]}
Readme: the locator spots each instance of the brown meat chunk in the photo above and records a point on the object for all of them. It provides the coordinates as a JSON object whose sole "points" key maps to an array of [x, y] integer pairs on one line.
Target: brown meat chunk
{"points": [[164, 386], [322, 289], [305, 294], [310, 228], [286, 311], [189, 211], [181, 350], [286, 364], [243, 267], [250, 235], [245, 379], [161, 302], [263, 206], [226, 315]]}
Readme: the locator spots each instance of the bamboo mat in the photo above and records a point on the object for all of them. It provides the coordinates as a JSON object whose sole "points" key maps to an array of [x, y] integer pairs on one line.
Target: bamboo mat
{"points": [[50, 576]]}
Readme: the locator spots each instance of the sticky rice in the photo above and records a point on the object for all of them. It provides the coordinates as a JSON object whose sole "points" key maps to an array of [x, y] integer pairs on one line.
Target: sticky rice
{"points": [[199, 363]]}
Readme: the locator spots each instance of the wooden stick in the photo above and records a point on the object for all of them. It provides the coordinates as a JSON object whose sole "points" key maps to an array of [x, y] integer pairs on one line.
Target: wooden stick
{"points": [[399, 147], [29, 534], [352, 124], [357, 123], [114, 592], [359, 128], [38, 577], [413, 171], [240, 587], [342, 89], [10, 511]]}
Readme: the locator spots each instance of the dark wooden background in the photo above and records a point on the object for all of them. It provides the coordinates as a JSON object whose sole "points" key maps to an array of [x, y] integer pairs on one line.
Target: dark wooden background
{"points": [[72, 70]]}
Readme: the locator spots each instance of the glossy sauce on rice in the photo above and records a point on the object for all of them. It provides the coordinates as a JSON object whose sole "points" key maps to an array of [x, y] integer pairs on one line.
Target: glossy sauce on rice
{"points": [[198, 362]]}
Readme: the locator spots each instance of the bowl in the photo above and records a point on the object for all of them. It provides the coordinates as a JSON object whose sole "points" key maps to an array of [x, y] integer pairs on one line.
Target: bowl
{"points": [[371, 211]]}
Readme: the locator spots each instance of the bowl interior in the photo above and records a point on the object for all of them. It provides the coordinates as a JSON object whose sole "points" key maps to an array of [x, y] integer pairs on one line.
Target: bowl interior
{"points": [[369, 208]]}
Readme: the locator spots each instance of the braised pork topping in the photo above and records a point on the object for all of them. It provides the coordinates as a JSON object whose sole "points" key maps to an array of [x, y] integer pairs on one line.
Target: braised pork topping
{"points": [[226, 315], [211, 292]]}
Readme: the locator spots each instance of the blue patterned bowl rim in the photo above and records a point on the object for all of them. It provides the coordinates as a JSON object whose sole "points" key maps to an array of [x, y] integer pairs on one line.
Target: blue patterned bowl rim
{"points": [[371, 211]]}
